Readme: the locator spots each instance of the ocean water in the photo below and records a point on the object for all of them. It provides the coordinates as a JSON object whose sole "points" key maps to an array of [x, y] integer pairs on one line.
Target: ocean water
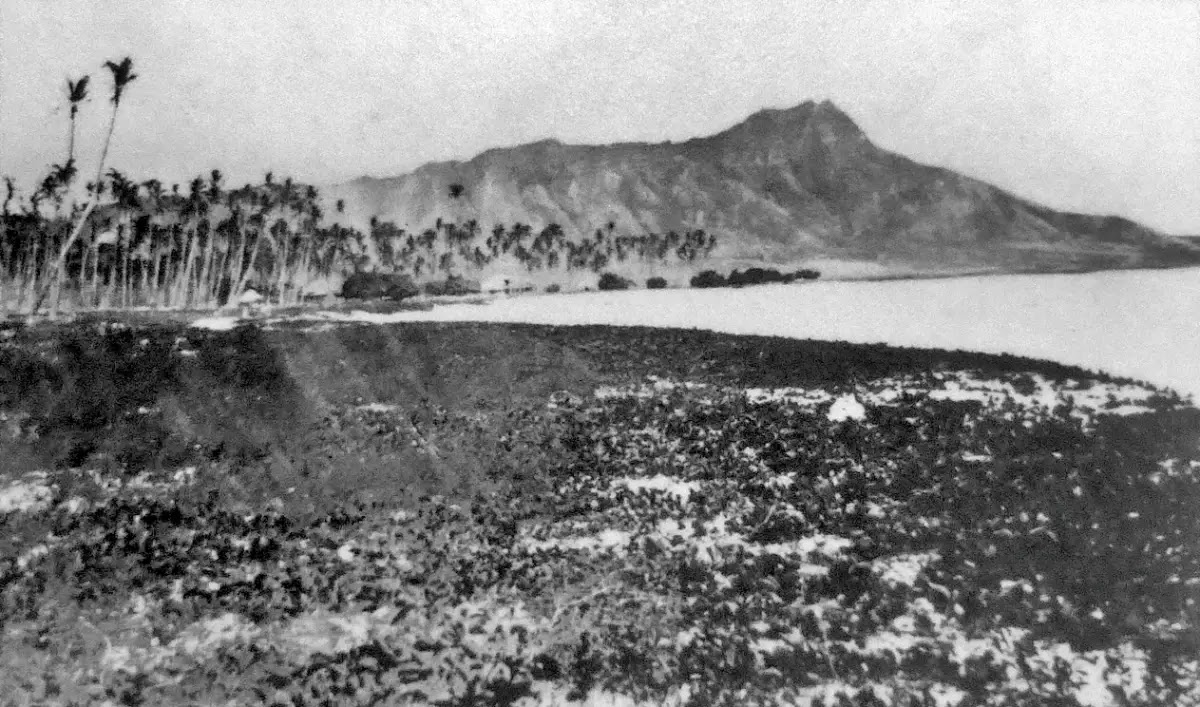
{"points": [[1143, 324]]}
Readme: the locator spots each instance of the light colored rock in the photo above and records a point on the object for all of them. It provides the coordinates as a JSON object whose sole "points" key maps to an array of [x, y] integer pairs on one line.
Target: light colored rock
{"points": [[845, 408]]}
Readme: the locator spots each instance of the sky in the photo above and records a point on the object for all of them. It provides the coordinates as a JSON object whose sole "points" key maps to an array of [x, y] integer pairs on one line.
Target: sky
{"points": [[1091, 105]]}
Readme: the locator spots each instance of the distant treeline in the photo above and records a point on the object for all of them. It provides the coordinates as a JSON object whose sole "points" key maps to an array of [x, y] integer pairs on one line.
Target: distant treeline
{"points": [[751, 276], [451, 248], [712, 278], [398, 285]]}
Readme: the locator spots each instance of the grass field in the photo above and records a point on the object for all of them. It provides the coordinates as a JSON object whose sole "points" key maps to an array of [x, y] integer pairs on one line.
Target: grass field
{"points": [[506, 514]]}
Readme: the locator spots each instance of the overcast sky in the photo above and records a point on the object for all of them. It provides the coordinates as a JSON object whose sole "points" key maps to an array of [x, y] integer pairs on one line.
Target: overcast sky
{"points": [[1091, 105]]}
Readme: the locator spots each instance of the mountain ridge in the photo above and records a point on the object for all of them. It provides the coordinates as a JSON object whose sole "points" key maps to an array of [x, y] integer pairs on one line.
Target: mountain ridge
{"points": [[785, 184]]}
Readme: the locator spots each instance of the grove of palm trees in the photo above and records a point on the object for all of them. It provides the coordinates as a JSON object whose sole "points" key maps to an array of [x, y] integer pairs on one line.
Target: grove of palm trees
{"points": [[116, 242], [451, 248]]}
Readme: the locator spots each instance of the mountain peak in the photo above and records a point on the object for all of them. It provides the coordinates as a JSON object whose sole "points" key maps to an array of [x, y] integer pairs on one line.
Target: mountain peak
{"points": [[794, 182], [779, 117], [825, 119], [842, 125]]}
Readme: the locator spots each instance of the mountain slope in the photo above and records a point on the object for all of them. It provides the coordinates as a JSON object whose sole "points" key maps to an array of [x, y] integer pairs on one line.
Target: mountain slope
{"points": [[783, 185]]}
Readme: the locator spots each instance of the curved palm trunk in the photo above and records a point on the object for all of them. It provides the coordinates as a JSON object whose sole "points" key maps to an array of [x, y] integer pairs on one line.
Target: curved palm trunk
{"points": [[125, 260], [214, 280], [30, 276], [165, 277], [205, 269], [152, 293], [233, 263], [95, 290], [51, 287], [283, 266], [245, 276], [302, 270], [184, 284]]}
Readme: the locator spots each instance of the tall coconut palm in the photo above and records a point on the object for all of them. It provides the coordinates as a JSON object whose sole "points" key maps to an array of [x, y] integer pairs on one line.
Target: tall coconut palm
{"points": [[125, 192], [259, 225], [287, 205], [236, 228], [122, 76], [195, 211], [153, 204], [206, 263], [308, 235], [76, 94]]}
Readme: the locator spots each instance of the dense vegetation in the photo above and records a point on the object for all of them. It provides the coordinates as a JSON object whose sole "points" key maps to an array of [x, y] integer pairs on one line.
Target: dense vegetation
{"points": [[451, 247], [612, 281], [130, 243], [751, 276], [478, 514], [120, 242]]}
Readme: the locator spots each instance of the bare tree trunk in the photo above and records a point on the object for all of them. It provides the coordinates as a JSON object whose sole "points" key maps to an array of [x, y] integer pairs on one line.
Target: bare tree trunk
{"points": [[95, 291], [31, 275], [234, 264], [300, 280], [245, 276], [125, 276], [154, 262], [213, 286], [185, 282], [168, 280], [282, 266], [141, 286], [205, 268]]}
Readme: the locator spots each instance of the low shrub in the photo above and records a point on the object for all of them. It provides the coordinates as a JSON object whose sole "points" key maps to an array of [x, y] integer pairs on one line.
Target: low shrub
{"points": [[755, 276], [656, 283], [371, 285], [612, 281], [454, 285], [751, 276], [553, 287], [708, 278]]}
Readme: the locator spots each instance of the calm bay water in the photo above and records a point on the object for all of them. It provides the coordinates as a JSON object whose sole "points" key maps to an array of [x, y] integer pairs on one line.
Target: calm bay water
{"points": [[1143, 324]]}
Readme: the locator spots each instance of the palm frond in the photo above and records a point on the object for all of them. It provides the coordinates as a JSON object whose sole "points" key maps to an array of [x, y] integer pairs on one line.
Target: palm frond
{"points": [[122, 75], [77, 90]]}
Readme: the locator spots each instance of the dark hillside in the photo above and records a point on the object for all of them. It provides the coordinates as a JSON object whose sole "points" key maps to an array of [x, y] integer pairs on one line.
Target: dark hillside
{"points": [[519, 515], [160, 396]]}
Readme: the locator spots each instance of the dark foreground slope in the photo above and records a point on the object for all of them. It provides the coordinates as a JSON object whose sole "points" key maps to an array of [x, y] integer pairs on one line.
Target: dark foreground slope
{"points": [[482, 514]]}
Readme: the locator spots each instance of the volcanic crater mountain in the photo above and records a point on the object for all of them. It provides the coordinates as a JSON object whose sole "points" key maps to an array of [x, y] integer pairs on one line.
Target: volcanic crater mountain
{"points": [[782, 186]]}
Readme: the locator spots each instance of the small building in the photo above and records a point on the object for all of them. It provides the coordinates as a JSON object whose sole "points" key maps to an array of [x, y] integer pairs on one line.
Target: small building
{"points": [[249, 303]]}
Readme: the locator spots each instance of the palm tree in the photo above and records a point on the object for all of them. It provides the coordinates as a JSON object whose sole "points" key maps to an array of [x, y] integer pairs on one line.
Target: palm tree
{"points": [[258, 223], [125, 192], [122, 76], [76, 94], [195, 211], [153, 204], [213, 195]]}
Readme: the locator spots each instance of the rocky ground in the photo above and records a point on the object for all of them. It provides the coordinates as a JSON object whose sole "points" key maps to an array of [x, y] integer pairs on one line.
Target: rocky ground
{"points": [[486, 514]]}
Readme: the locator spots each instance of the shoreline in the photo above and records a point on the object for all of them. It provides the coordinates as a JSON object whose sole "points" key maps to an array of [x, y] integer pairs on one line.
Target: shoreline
{"points": [[425, 302]]}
